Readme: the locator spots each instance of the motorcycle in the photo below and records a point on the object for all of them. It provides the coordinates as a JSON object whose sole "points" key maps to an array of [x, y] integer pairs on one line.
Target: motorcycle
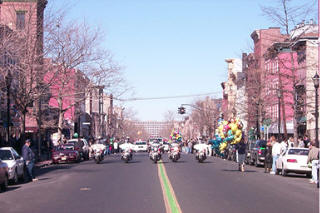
{"points": [[201, 155], [174, 154], [98, 155], [126, 155], [155, 154]]}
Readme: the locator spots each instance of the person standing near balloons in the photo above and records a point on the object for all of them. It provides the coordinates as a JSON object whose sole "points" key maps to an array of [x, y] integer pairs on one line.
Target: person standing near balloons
{"points": [[242, 148]]}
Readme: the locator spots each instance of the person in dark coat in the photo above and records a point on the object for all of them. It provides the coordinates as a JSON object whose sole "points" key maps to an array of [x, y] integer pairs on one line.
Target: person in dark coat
{"points": [[241, 147], [268, 156], [29, 158]]}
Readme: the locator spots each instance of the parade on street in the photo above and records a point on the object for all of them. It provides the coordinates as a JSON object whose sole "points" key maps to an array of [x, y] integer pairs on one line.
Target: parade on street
{"points": [[171, 106]]}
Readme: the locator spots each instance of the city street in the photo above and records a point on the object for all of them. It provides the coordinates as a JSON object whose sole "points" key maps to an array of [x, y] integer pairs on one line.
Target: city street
{"points": [[113, 186]]}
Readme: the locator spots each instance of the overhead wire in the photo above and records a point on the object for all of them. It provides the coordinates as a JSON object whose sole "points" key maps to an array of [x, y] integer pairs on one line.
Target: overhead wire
{"points": [[165, 97]]}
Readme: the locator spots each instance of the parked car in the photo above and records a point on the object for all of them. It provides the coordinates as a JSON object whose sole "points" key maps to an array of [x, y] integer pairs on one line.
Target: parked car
{"points": [[65, 154], [140, 146], [81, 146], [231, 152], [257, 152], [4, 176], [249, 151], [16, 164], [293, 160]]}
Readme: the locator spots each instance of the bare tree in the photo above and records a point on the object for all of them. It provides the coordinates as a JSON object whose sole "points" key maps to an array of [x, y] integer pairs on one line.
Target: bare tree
{"points": [[80, 63], [205, 115], [287, 13], [170, 118]]}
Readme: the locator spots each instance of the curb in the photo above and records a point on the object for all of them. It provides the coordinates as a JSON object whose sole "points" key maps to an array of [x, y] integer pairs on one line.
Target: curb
{"points": [[43, 164]]}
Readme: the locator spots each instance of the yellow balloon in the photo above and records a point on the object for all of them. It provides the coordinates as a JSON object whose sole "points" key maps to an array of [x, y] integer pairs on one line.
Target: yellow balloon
{"points": [[233, 127], [238, 133], [223, 146]]}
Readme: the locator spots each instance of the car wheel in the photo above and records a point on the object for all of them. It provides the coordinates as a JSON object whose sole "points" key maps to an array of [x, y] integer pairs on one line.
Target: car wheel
{"points": [[21, 178], [4, 186], [256, 162], [251, 161], [283, 171], [15, 179], [309, 175]]}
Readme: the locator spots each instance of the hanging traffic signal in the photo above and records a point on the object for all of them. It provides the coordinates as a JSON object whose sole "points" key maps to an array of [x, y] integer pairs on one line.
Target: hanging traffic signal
{"points": [[181, 110]]}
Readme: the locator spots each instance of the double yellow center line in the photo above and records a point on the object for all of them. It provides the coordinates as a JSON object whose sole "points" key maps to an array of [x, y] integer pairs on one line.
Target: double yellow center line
{"points": [[170, 200]]}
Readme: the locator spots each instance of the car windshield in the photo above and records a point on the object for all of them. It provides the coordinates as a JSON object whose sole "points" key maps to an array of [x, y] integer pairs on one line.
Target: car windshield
{"points": [[6, 155], [298, 152], [68, 147], [261, 143], [141, 143]]}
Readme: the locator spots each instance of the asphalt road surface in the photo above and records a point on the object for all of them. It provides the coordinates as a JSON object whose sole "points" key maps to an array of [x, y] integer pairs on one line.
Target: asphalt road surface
{"points": [[215, 186]]}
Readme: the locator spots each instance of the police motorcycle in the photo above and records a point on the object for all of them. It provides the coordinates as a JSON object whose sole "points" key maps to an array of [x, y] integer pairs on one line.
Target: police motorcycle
{"points": [[201, 148], [156, 151], [174, 152], [126, 153], [98, 151]]}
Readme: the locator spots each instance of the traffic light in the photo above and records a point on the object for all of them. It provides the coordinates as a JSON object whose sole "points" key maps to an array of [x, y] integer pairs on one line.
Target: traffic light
{"points": [[181, 110]]}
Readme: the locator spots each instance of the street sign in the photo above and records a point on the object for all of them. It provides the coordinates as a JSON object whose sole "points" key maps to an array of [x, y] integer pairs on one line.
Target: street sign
{"points": [[86, 123]]}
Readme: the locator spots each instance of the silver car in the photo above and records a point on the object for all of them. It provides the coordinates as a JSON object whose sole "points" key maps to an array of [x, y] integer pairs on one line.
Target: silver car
{"points": [[15, 163]]}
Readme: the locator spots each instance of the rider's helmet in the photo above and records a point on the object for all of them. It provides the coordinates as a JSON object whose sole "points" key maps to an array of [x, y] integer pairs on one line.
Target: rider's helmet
{"points": [[127, 139]]}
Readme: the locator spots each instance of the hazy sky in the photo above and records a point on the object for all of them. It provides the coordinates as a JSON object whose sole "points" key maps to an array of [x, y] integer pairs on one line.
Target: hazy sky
{"points": [[172, 47]]}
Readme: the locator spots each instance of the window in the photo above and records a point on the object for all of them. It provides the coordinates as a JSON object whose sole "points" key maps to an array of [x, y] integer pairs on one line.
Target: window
{"points": [[21, 16]]}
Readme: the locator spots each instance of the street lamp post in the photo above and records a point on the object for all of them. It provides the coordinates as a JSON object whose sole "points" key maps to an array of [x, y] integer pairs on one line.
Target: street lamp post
{"points": [[316, 86], [279, 114]]}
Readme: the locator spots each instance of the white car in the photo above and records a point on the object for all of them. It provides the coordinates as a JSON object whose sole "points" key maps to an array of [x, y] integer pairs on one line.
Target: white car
{"points": [[82, 146], [140, 146], [15, 163], [293, 160]]}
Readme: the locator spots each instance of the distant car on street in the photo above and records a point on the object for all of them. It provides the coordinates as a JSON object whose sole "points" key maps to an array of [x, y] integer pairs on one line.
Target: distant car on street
{"points": [[140, 146], [293, 160], [65, 154], [256, 152], [81, 146], [4, 176], [16, 164]]}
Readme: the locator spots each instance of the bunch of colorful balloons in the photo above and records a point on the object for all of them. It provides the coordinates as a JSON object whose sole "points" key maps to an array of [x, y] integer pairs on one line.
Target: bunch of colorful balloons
{"points": [[175, 136], [229, 132]]}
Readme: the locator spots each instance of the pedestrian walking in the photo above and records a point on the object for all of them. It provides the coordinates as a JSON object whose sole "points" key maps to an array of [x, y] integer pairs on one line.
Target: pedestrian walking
{"points": [[190, 147], [291, 142], [276, 151], [284, 145], [306, 141], [300, 142], [313, 159], [241, 147], [116, 146], [29, 158], [268, 155]]}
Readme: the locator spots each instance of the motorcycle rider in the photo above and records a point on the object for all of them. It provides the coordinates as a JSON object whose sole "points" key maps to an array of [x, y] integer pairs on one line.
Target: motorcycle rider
{"points": [[172, 146], [201, 146], [127, 146], [97, 146]]}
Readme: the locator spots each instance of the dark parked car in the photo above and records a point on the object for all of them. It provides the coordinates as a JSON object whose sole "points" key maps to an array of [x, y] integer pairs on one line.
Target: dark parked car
{"points": [[4, 176], [256, 152], [81, 146], [65, 154]]}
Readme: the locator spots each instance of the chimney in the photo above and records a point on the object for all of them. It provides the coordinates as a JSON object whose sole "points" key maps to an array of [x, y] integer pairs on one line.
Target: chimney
{"points": [[311, 22]]}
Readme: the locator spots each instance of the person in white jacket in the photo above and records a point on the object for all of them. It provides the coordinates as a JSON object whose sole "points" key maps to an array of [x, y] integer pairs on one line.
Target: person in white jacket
{"points": [[201, 146], [276, 151]]}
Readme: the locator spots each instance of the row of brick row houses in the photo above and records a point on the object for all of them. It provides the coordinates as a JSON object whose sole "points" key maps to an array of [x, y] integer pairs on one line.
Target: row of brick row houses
{"points": [[30, 101], [271, 89]]}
